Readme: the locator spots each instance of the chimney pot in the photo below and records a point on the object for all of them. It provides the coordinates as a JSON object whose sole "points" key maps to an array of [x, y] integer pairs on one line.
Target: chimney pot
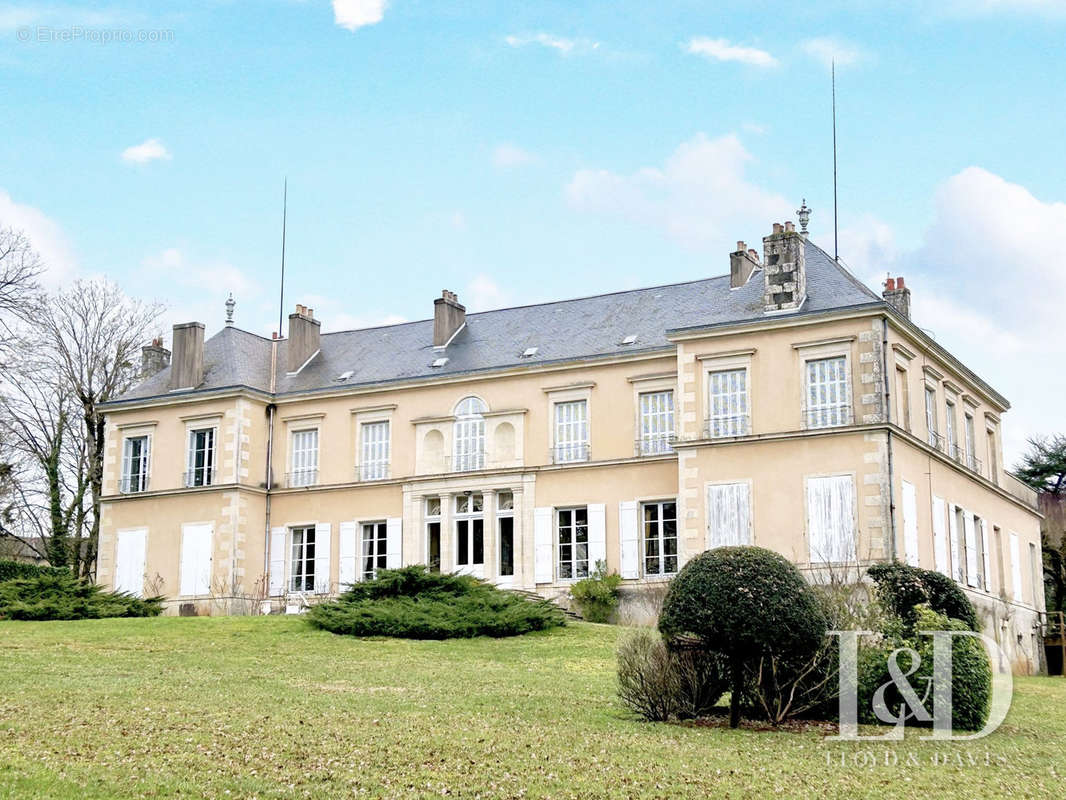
{"points": [[789, 227], [741, 247], [899, 283], [754, 254], [890, 284]]}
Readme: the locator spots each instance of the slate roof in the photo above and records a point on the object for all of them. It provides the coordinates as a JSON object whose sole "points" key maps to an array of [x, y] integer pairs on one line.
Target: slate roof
{"points": [[567, 330]]}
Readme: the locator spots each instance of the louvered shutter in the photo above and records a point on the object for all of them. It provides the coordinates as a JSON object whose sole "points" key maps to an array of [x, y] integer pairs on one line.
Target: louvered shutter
{"points": [[542, 545], [910, 524], [983, 533], [597, 514], [956, 557], [831, 519], [971, 549], [393, 543], [940, 544], [346, 555], [629, 538], [323, 549], [728, 515], [277, 561]]}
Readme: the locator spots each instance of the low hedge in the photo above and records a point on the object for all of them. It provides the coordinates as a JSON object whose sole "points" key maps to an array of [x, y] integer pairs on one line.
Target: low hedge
{"points": [[414, 603], [60, 595], [20, 569]]}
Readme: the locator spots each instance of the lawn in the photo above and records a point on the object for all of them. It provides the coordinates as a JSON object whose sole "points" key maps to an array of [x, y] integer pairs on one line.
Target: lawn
{"points": [[267, 707]]}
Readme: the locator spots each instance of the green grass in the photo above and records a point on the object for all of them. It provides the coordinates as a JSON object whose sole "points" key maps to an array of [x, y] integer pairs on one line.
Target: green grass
{"points": [[268, 707]]}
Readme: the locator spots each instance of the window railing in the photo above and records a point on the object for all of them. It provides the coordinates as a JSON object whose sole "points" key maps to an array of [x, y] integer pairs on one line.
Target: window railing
{"points": [[132, 484], [954, 452], [301, 477], [973, 463], [374, 471], [724, 427], [570, 453], [937, 442], [832, 416], [655, 445], [198, 477]]}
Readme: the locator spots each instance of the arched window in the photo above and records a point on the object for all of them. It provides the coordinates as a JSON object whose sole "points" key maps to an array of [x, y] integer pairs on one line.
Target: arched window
{"points": [[469, 434]]}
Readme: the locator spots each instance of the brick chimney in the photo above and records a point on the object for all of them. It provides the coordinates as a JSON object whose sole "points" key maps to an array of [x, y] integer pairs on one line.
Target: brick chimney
{"points": [[741, 264], [898, 296], [187, 368], [154, 357], [784, 269], [448, 317], [304, 332]]}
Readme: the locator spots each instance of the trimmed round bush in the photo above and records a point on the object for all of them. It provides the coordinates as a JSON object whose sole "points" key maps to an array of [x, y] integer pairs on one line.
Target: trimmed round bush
{"points": [[748, 605], [59, 594], [414, 603], [902, 588]]}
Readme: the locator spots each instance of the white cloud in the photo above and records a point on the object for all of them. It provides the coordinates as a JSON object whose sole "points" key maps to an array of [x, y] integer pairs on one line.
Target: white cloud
{"points": [[506, 155], [560, 44], [827, 49], [44, 234], [724, 50], [483, 293], [13, 17], [756, 128], [355, 14], [211, 275], [700, 196], [148, 150]]}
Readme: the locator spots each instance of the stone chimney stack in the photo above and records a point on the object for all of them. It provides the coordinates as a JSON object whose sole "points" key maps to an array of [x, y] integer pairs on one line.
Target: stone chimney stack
{"points": [[448, 317], [154, 357], [741, 264], [784, 269], [304, 333], [187, 368], [898, 296]]}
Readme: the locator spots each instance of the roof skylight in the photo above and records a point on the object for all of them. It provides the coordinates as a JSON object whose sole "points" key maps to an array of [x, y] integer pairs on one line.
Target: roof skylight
{"points": [[440, 362], [629, 339], [345, 375], [529, 352]]}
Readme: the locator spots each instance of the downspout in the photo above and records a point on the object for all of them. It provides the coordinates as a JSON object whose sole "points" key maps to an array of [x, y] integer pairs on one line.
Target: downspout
{"points": [[269, 483], [888, 439]]}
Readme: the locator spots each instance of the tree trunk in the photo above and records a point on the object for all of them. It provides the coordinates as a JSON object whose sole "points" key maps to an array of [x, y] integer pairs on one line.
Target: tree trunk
{"points": [[57, 545], [94, 431], [735, 693]]}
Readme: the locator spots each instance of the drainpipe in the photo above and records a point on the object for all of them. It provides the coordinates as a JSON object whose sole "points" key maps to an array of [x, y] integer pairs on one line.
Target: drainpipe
{"points": [[888, 438]]}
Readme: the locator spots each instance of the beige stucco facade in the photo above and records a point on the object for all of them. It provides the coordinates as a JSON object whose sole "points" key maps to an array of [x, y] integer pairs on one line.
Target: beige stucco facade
{"points": [[876, 442]]}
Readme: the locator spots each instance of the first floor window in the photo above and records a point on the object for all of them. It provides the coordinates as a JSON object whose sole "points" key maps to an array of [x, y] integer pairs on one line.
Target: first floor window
{"points": [[971, 443], [656, 422], [660, 538], [949, 430], [374, 541], [961, 566], [304, 458], [135, 464], [930, 416], [727, 393], [374, 453], [573, 552], [469, 434], [728, 514], [827, 392], [571, 431], [831, 519], [302, 568], [201, 467]]}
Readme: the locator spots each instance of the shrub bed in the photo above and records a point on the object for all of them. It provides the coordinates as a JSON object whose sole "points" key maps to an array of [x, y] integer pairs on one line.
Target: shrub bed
{"points": [[413, 603], [597, 595], [20, 569], [57, 594]]}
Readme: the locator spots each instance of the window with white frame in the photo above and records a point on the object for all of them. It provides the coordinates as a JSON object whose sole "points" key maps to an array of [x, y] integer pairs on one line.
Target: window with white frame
{"points": [[572, 554], [374, 543], [930, 417], [993, 467], [727, 402], [136, 453], [200, 466], [302, 563], [660, 537], [470, 530], [374, 450], [571, 431], [971, 442], [728, 514], [433, 533], [656, 422], [505, 528], [831, 519], [469, 447], [304, 458], [828, 398], [949, 429]]}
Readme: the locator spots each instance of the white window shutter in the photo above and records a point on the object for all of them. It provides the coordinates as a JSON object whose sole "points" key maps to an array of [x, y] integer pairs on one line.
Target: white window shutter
{"points": [[956, 557], [983, 533], [130, 562], [971, 549], [1015, 568], [196, 557], [940, 543], [323, 548], [910, 524], [831, 519], [542, 545], [629, 538], [597, 534], [728, 515], [346, 559], [277, 561], [393, 543]]}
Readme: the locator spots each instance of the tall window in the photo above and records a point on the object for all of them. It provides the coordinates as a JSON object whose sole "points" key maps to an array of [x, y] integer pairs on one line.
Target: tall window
{"points": [[728, 514], [962, 571], [992, 466], [971, 441], [302, 568], [304, 458], [831, 519], [949, 429], [660, 538], [505, 525], [135, 461], [469, 531], [573, 552], [656, 422], [979, 544], [828, 404], [201, 458], [571, 431], [374, 543], [374, 451], [469, 434], [728, 403], [433, 532], [903, 399], [930, 416]]}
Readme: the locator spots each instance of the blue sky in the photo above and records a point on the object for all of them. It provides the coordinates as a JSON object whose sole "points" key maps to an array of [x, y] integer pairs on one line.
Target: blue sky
{"points": [[516, 152]]}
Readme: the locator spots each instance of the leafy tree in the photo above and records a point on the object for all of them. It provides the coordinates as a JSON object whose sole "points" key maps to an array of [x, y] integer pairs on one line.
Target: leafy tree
{"points": [[1044, 468]]}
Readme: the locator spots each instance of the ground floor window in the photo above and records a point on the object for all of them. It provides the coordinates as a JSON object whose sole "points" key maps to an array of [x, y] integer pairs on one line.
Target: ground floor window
{"points": [[302, 569], [433, 533], [505, 527], [573, 552], [374, 542], [660, 538], [469, 530]]}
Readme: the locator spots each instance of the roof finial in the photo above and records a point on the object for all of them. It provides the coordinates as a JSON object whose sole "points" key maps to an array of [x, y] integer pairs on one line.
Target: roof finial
{"points": [[803, 214], [230, 304]]}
